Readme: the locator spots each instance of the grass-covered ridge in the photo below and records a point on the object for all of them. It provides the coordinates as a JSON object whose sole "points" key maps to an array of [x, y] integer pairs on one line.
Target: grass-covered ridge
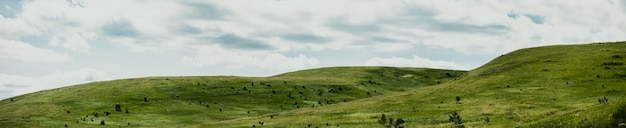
{"points": [[188, 101], [551, 86]]}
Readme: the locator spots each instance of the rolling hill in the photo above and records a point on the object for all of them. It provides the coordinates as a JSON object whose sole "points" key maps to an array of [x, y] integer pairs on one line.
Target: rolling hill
{"points": [[186, 101], [549, 86]]}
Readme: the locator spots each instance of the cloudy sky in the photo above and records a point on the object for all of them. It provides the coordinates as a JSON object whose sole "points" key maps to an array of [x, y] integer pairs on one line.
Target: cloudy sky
{"points": [[46, 44]]}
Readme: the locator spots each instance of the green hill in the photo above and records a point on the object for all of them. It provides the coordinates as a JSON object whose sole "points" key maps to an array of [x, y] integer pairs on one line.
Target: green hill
{"points": [[188, 101], [550, 86]]}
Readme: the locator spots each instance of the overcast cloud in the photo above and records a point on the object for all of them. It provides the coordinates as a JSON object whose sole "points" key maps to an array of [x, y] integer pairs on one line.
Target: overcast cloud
{"points": [[46, 44]]}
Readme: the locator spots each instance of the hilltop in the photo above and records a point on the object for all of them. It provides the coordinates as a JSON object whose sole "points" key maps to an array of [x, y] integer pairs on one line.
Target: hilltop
{"points": [[549, 86]]}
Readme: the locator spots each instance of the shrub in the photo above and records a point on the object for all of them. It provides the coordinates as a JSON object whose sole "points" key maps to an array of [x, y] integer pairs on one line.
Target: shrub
{"points": [[145, 99], [458, 99], [383, 119], [618, 119], [118, 108], [603, 100], [399, 123], [455, 118], [102, 122]]}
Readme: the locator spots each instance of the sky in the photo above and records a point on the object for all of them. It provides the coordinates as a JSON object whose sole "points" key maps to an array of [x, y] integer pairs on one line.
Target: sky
{"points": [[47, 44]]}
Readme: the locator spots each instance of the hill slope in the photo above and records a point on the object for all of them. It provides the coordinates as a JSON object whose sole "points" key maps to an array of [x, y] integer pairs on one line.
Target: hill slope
{"points": [[186, 101], [552, 86]]}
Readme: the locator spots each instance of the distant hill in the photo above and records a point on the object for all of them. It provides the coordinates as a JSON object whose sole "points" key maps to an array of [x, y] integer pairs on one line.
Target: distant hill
{"points": [[192, 100]]}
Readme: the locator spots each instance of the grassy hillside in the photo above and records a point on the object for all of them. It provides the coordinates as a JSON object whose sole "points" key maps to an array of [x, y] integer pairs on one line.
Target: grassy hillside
{"points": [[552, 86], [189, 101]]}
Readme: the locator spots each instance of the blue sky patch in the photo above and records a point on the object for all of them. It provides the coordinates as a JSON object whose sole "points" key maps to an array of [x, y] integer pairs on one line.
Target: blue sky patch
{"points": [[121, 28], [537, 19], [205, 11], [512, 15], [236, 42], [10, 8]]}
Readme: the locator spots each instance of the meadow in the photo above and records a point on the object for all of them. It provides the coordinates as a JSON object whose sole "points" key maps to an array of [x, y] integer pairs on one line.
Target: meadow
{"points": [[549, 86]]}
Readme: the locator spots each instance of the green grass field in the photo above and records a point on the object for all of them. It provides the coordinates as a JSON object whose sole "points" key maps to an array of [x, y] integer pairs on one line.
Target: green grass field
{"points": [[188, 101], [551, 86]]}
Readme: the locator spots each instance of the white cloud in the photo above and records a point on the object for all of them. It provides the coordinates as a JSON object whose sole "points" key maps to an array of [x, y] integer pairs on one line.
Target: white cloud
{"points": [[18, 84], [416, 61], [219, 57], [13, 28], [17, 50]]}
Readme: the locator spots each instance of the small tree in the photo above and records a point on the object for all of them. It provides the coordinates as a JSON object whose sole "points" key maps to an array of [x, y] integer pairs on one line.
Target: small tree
{"points": [[102, 122], [145, 99], [458, 99]]}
